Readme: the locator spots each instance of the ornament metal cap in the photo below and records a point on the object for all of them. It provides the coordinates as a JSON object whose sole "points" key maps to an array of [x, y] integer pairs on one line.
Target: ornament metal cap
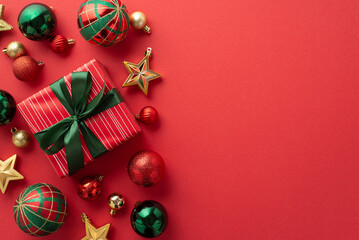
{"points": [[147, 29], [70, 41]]}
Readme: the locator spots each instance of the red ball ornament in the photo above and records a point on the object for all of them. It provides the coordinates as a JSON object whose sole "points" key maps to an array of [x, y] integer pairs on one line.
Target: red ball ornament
{"points": [[146, 168], [148, 115], [89, 188], [40, 210], [26, 68], [60, 44], [103, 22]]}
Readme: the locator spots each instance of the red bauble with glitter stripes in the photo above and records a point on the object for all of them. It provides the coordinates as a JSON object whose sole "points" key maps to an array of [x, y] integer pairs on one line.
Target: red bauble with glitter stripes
{"points": [[148, 115], [60, 44], [103, 22]]}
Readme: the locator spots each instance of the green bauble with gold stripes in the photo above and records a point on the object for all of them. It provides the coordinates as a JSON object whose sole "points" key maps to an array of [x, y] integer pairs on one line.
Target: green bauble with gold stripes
{"points": [[40, 209]]}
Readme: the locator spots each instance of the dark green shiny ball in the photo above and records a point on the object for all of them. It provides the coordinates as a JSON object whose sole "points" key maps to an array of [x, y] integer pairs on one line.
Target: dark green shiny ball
{"points": [[7, 107], [149, 219], [37, 21]]}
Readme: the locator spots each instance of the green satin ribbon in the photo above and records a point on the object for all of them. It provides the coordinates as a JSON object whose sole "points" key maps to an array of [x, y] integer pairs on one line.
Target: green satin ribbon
{"points": [[66, 133]]}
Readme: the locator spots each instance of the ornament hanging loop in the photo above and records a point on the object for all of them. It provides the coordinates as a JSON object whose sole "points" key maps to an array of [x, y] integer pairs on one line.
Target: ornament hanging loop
{"points": [[2, 10], [148, 52], [14, 130], [84, 217]]}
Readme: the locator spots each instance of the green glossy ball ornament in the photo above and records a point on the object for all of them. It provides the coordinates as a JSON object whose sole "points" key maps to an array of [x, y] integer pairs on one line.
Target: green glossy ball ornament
{"points": [[7, 107], [149, 219], [37, 21]]}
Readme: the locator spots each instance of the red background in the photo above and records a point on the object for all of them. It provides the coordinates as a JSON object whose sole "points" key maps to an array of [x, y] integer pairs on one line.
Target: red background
{"points": [[258, 119]]}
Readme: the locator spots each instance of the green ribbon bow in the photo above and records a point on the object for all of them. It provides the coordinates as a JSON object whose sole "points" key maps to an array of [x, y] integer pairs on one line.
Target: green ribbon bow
{"points": [[66, 133]]}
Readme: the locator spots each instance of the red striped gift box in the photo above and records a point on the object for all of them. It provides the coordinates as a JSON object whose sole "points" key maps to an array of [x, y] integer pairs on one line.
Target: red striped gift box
{"points": [[112, 127]]}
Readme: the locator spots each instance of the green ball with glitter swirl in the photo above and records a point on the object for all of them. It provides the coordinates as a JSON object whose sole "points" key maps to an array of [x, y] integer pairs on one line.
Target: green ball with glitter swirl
{"points": [[103, 22], [40, 209]]}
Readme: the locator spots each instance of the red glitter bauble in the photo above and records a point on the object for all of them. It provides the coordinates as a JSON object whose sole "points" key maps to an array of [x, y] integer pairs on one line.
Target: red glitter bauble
{"points": [[146, 168], [26, 68], [60, 44], [90, 187], [148, 115]]}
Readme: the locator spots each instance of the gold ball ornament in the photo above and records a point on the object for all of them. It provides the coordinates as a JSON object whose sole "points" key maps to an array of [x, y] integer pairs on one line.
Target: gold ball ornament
{"points": [[138, 21], [20, 138], [14, 50], [115, 201]]}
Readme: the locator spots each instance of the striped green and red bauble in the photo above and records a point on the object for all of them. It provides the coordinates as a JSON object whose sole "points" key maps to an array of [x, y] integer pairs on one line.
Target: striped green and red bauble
{"points": [[40, 209], [103, 22]]}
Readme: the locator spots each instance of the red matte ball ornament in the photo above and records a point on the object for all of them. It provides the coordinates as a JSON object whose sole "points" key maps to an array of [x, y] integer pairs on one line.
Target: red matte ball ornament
{"points": [[148, 115], [26, 68], [90, 188], [146, 168]]}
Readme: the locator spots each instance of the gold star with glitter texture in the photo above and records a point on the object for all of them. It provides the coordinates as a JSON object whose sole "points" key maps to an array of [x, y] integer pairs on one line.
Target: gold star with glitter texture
{"points": [[8, 173], [4, 26], [93, 233], [140, 74]]}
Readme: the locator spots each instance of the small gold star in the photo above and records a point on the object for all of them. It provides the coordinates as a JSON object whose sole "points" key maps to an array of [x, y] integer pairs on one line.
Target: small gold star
{"points": [[4, 26], [91, 232], [140, 74], [8, 173]]}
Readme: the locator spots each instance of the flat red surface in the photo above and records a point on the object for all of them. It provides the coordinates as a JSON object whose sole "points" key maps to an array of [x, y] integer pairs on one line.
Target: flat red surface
{"points": [[258, 126]]}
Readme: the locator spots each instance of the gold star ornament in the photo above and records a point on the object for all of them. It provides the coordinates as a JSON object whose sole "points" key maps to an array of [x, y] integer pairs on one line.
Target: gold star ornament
{"points": [[140, 74], [4, 26], [8, 173], [93, 233]]}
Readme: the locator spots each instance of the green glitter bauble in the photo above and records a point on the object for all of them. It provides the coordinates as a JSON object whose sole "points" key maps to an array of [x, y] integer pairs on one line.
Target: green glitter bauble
{"points": [[149, 219], [37, 21], [40, 209], [7, 107]]}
